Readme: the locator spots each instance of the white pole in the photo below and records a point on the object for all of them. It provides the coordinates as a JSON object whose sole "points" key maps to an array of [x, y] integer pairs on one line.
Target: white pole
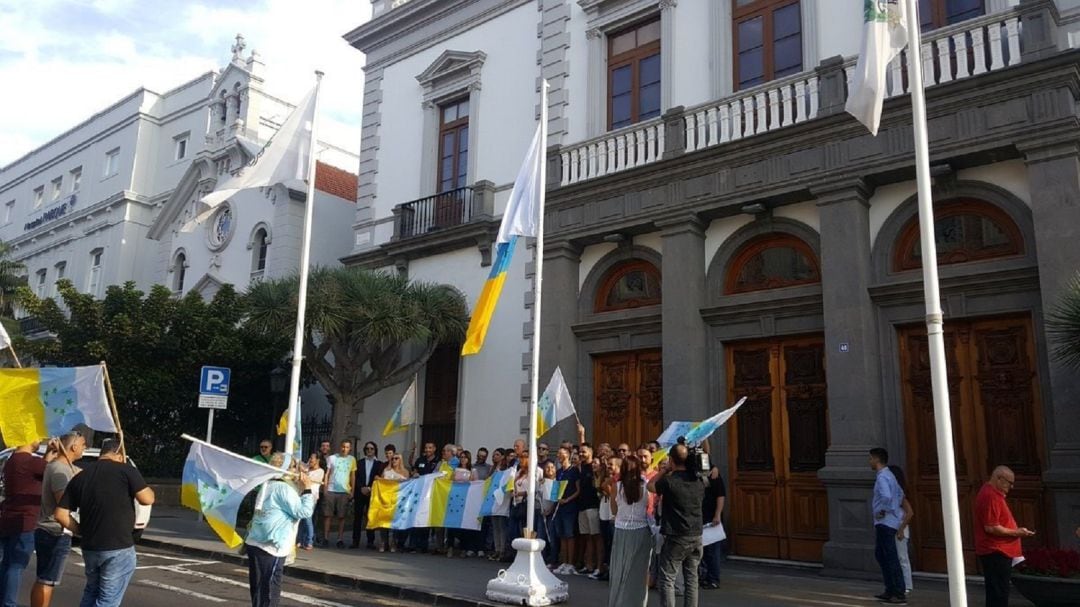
{"points": [[305, 261], [534, 370], [950, 508], [209, 425]]}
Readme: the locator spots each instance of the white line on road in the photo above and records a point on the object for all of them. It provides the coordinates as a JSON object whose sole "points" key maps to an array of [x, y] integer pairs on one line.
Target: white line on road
{"points": [[184, 591], [292, 596]]}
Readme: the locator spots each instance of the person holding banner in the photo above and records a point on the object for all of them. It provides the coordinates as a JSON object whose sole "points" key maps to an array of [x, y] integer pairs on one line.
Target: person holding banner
{"points": [[394, 471], [23, 475]]}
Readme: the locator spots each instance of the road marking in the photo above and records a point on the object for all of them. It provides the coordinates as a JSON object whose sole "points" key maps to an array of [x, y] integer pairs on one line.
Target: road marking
{"points": [[292, 596], [184, 591], [186, 562]]}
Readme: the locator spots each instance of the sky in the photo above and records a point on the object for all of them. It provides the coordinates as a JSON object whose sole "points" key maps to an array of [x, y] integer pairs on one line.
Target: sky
{"points": [[61, 61]]}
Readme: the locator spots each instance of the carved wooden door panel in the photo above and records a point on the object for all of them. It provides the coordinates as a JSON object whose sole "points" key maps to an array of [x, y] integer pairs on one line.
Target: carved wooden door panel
{"points": [[441, 395], [628, 403], [993, 388], [777, 444]]}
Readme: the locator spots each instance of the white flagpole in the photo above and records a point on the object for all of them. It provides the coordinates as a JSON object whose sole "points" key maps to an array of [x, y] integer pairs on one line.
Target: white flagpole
{"points": [[950, 508], [305, 261], [534, 370]]}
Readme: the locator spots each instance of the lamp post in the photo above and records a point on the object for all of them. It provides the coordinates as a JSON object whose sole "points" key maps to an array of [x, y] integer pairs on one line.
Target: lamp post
{"points": [[279, 383]]}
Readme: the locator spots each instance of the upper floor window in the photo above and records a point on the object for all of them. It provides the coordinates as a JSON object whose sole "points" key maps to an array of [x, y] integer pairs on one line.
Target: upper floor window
{"points": [[93, 280], [633, 284], [634, 74], [939, 13], [76, 179], [768, 40], [179, 270], [771, 262], [260, 247], [9, 211], [61, 271], [453, 145], [181, 144], [39, 288], [964, 230], [56, 189], [39, 196], [112, 162]]}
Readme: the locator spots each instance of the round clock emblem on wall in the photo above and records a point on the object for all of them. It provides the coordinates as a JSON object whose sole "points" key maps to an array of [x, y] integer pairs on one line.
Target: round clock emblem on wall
{"points": [[221, 227]]}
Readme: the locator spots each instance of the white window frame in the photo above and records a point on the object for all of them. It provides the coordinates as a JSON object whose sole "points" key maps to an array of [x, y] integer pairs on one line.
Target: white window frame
{"points": [[61, 270], [180, 146], [39, 196], [42, 278], [178, 268], [57, 189], [9, 211], [453, 76], [93, 278], [112, 162], [76, 179], [253, 245]]}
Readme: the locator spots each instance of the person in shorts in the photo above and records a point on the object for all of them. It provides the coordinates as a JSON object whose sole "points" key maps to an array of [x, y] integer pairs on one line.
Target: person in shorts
{"points": [[52, 543], [565, 514], [341, 479], [589, 513]]}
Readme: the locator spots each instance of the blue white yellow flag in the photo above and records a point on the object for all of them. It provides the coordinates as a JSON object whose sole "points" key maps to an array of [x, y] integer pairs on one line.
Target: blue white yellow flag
{"points": [[297, 451], [405, 414], [884, 37], [696, 432], [38, 403], [554, 405], [214, 483]]}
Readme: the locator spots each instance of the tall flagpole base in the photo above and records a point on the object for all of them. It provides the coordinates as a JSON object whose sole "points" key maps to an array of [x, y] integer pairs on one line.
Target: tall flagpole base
{"points": [[527, 581]]}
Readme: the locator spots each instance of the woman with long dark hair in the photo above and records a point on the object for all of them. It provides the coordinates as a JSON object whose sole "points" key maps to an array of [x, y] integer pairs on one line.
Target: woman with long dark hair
{"points": [[632, 545]]}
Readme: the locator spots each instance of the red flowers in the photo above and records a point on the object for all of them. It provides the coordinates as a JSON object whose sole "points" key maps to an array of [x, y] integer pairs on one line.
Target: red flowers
{"points": [[1051, 562]]}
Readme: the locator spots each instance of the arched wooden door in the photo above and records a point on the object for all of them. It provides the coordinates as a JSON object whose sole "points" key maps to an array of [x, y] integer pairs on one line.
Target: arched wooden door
{"points": [[629, 402], [996, 418], [777, 444]]}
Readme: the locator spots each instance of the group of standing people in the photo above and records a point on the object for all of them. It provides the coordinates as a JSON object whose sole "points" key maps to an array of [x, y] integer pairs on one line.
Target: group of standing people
{"points": [[41, 494]]}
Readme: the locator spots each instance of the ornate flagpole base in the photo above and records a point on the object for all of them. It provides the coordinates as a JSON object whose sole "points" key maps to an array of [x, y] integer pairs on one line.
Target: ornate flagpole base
{"points": [[527, 581]]}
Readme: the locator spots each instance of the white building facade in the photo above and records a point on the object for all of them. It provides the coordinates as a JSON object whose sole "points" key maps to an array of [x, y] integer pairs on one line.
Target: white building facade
{"points": [[718, 227]]}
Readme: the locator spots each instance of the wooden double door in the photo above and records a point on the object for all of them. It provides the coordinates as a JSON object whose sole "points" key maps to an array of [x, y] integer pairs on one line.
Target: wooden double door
{"points": [[996, 419], [779, 508], [628, 404]]}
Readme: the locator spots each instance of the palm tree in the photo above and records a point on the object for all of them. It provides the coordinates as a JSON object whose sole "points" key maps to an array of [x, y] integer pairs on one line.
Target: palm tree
{"points": [[365, 330], [1063, 325], [11, 278]]}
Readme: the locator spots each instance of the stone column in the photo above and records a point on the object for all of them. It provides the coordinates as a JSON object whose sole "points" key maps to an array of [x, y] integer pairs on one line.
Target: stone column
{"points": [[686, 361], [1054, 174], [853, 373], [558, 344]]}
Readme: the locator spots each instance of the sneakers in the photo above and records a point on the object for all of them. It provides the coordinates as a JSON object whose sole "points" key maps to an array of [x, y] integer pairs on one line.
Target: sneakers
{"points": [[894, 600], [595, 575], [582, 571], [565, 569]]}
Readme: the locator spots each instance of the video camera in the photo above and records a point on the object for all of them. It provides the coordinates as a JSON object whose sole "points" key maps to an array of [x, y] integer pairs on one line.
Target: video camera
{"points": [[697, 461]]}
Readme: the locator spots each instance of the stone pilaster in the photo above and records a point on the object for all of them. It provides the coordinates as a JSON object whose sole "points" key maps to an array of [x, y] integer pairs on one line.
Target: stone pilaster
{"points": [[558, 344], [853, 374], [686, 361], [1054, 174]]}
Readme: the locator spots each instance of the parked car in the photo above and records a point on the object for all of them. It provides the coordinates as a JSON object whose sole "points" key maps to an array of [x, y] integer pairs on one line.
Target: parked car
{"points": [[89, 458]]}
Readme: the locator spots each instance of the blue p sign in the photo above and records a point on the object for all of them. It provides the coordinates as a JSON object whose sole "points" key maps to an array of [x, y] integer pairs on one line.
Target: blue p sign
{"points": [[214, 380]]}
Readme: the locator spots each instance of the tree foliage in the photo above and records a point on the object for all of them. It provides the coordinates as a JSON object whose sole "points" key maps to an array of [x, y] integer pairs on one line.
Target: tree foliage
{"points": [[154, 345], [366, 330], [1063, 325]]}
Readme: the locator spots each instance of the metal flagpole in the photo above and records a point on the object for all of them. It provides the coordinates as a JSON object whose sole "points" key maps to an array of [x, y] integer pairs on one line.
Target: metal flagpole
{"points": [[950, 508], [305, 261], [534, 370]]}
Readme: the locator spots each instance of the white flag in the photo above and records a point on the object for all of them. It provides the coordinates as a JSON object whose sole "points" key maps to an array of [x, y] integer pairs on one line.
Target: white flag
{"points": [[5, 339], [284, 159], [554, 405], [522, 215], [885, 35]]}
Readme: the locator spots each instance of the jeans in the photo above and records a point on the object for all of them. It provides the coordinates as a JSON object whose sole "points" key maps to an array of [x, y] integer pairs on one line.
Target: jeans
{"points": [[17, 551], [711, 560], [498, 532], [889, 560], [684, 551], [306, 535], [107, 575], [264, 577], [997, 569]]}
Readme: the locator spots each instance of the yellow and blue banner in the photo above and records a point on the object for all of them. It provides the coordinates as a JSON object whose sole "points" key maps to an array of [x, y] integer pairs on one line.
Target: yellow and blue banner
{"points": [[552, 490], [50, 401], [214, 483], [496, 488], [431, 500]]}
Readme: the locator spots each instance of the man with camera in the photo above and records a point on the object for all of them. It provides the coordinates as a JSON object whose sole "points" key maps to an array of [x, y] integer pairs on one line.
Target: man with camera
{"points": [[681, 492]]}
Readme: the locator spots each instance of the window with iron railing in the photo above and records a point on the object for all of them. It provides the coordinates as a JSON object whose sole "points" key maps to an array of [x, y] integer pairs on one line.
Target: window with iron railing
{"points": [[440, 211]]}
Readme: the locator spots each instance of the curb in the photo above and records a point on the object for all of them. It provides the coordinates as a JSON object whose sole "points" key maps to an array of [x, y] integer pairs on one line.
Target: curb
{"points": [[384, 589]]}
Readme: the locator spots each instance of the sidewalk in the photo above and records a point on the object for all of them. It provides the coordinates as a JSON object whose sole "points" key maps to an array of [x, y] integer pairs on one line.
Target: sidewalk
{"points": [[438, 580]]}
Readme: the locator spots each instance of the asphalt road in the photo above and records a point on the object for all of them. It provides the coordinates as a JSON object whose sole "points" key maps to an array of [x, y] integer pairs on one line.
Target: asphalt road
{"points": [[166, 580]]}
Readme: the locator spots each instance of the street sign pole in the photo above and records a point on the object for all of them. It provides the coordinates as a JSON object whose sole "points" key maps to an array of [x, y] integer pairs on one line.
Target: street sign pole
{"points": [[210, 425]]}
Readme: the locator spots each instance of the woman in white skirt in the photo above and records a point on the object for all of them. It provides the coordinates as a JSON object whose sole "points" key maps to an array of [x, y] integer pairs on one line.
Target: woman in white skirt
{"points": [[632, 547]]}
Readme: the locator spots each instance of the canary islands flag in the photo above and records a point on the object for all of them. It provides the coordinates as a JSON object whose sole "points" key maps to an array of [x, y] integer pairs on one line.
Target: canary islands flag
{"points": [[554, 405], [297, 451], [521, 218], [552, 490], [215, 481], [405, 414], [696, 432], [38, 403]]}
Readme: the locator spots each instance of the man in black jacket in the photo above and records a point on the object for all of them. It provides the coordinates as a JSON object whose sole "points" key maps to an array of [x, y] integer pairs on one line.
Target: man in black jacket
{"points": [[368, 469]]}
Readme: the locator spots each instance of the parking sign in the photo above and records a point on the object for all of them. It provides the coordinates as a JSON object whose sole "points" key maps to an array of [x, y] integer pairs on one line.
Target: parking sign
{"points": [[214, 387]]}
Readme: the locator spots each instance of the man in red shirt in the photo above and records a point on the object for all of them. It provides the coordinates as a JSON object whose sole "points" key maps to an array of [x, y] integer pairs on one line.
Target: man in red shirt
{"points": [[23, 473], [997, 537]]}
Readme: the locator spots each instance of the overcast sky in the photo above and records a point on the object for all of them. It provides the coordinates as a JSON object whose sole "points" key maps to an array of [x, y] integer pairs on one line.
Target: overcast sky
{"points": [[63, 60]]}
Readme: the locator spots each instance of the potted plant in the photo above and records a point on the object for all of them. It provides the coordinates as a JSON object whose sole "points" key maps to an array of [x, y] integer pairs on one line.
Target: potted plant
{"points": [[1049, 577]]}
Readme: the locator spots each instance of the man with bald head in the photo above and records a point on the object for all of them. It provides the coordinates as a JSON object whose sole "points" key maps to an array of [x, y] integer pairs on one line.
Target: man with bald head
{"points": [[997, 536]]}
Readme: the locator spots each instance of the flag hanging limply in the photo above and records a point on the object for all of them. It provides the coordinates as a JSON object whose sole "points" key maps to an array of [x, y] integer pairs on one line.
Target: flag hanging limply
{"points": [[884, 36], [297, 451], [696, 432], [284, 159], [405, 414], [521, 218], [554, 405], [38, 403], [214, 483], [5, 339]]}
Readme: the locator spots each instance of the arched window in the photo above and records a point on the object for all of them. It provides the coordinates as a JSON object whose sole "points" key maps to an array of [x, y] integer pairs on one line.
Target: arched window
{"points": [[964, 230], [770, 262], [179, 269], [633, 284], [259, 246]]}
